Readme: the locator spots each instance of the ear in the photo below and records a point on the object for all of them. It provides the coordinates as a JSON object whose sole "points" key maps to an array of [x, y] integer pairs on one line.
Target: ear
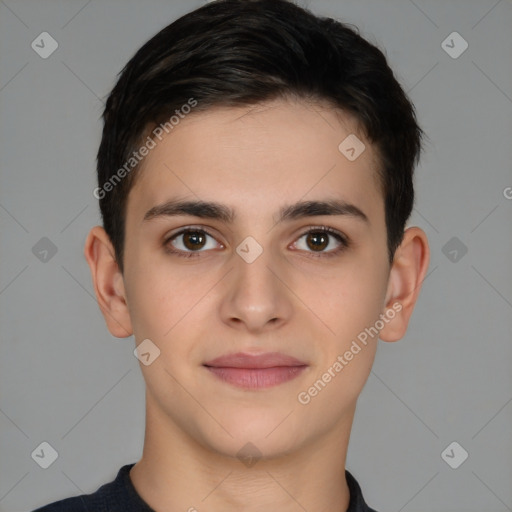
{"points": [[406, 276], [108, 282]]}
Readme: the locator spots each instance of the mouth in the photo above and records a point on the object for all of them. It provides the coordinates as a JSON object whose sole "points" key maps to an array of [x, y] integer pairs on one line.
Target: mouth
{"points": [[256, 371]]}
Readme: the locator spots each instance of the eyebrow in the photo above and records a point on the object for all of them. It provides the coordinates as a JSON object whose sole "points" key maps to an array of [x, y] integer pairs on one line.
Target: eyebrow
{"points": [[221, 212]]}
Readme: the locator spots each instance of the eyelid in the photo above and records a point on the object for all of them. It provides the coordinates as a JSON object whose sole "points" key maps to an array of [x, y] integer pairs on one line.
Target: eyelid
{"points": [[326, 229], [188, 228]]}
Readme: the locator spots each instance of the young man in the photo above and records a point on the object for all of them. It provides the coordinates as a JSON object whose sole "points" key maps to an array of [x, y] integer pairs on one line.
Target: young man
{"points": [[255, 179]]}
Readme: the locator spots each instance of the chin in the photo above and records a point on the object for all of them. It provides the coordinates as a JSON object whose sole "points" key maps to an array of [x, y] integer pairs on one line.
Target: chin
{"points": [[254, 435]]}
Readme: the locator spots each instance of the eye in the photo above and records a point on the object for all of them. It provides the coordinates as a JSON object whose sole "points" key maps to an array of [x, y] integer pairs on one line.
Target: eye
{"points": [[189, 242], [318, 238]]}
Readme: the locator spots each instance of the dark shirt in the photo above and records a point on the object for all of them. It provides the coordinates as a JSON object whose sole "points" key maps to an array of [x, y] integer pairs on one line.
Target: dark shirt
{"points": [[120, 496]]}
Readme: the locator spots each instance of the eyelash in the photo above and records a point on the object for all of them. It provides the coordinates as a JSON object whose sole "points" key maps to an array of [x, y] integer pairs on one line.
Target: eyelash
{"points": [[344, 243]]}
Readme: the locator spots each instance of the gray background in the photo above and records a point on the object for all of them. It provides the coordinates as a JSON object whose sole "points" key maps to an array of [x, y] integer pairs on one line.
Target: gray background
{"points": [[65, 380]]}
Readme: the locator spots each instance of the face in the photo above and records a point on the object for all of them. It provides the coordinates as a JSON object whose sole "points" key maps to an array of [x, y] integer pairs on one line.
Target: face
{"points": [[267, 280]]}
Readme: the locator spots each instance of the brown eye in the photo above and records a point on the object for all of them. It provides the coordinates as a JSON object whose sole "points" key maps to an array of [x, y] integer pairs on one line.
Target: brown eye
{"points": [[189, 242], [318, 239], [193, 240]]}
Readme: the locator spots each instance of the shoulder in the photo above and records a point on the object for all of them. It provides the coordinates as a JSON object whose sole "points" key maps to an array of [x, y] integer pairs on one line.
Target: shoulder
{"points": [[357, 502], [110, 497], [74, 504]]}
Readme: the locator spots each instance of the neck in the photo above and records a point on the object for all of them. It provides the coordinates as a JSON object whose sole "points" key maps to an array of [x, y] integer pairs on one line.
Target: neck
{"points": [[178, 473]]}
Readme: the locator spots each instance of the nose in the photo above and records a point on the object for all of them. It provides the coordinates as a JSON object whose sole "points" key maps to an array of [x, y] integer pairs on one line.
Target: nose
{"points": [[256, 297]]}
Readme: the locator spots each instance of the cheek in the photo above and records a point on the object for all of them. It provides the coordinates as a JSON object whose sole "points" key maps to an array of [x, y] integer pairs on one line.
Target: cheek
{"points": [[153, 303], [351, 298], [162, 298], [349, 304]]}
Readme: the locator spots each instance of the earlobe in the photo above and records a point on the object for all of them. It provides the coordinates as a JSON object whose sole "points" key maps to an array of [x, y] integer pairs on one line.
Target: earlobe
{"points": [[108, 282], [407, 273]]}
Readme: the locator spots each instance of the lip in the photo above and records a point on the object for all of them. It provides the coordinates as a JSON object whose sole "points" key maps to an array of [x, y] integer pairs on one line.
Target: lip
{"points": [[244, 360], [256, 371]]}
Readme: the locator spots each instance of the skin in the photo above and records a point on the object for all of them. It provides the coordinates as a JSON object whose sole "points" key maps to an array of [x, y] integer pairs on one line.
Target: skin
{"points": [[291, 299]]}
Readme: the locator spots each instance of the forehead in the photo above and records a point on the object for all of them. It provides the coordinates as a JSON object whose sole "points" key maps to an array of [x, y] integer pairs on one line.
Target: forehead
{"points": [[248, 156]]}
